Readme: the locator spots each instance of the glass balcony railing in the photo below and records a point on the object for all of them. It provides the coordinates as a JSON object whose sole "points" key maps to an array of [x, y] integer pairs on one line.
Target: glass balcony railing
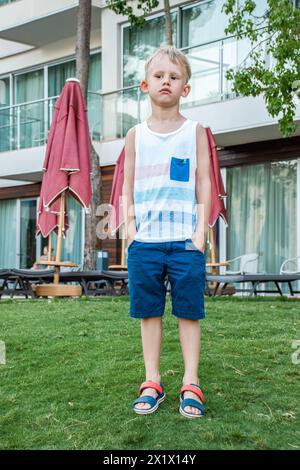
{"points": [[112, 114], [209, 62], [26, 125]]}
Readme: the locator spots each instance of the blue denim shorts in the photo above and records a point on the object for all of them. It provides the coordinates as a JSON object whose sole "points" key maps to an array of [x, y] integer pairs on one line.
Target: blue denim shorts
{"points": [[151, 264]]}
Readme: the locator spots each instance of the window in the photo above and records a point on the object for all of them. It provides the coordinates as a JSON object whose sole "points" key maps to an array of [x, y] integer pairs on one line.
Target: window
{"points": [[58, 74], [19, 246], [72, 245], [4, 91], [27, 125], [4, 114], [138, 44], [8, 224], [262, 209], [28, 120], [203, 23], [201, 34]]}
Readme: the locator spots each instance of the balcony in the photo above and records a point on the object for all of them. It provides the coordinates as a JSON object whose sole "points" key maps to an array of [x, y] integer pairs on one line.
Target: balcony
{"points": [[23, 136], [209, 63], [26, 125], [33, 23], [234, 119]]}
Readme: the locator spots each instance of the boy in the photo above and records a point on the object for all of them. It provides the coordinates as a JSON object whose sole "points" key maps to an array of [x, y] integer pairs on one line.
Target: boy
{"points": [[166, 201]]}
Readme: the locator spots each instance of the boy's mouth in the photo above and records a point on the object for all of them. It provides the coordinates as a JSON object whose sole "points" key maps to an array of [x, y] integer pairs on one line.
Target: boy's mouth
{"points": [[165, 90]]}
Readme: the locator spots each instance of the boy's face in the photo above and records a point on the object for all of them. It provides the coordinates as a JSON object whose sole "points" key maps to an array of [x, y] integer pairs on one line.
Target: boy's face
{"points": [[165, 82]]}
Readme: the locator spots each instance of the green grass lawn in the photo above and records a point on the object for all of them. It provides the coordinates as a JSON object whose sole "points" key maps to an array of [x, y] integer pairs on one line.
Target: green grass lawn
{"points": [[73, 368]]}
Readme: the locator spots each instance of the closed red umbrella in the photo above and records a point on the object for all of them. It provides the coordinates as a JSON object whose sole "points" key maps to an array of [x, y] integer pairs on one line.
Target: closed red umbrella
{"points": [[67, 168], [117, 216], [48, 218], [67, 162], [217, 188], [217, 192]]}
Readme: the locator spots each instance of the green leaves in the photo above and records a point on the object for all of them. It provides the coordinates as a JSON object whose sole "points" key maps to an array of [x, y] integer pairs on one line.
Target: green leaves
{"points": [[277, 32], [122, 7]]}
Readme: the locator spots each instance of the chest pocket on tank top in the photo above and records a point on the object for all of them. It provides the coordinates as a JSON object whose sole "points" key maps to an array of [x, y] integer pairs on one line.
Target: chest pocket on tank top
{"points": [[180, 169]]}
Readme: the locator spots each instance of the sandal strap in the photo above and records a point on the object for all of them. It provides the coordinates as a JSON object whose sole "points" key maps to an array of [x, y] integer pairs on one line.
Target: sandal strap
{"points": [[146, 399], [193, 388], [193, 404], [149, 384]]}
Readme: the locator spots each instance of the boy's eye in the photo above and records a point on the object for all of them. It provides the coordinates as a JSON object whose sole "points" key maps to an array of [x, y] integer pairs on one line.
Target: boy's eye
{"points": [[159, 76]]}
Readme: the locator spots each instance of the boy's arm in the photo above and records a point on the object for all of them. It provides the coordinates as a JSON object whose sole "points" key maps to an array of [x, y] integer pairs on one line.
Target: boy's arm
{"points": [[128, 186], [203, 188]]}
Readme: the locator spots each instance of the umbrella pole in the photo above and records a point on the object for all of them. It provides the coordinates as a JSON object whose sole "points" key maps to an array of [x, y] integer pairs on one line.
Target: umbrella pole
{"points": [[59, 237], [56, 289], [213, 246], [123, 246], [49, 247]]}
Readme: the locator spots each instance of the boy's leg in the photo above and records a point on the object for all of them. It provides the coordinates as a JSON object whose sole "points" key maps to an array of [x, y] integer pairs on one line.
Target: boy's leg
{"points": [[151, 330], [190, 336]]}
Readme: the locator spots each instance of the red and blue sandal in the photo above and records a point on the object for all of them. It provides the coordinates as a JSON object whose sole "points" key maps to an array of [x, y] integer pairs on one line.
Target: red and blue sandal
{"points": [[184, 402], [153, 402]]}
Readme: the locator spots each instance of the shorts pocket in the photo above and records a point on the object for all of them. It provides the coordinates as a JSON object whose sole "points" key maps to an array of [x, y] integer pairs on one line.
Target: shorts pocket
{"points": [[180, 169], [129, 247], [190, 245]]}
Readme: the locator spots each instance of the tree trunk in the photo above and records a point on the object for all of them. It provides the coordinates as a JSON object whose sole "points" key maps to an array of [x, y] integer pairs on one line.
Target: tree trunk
{"points": [[83, 43], [168, 22], [82, 73], [91, 220]]}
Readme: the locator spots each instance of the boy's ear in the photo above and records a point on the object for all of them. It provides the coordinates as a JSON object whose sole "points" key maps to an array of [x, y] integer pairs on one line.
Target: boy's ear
{"points": [[186, 90], [144, 86]]}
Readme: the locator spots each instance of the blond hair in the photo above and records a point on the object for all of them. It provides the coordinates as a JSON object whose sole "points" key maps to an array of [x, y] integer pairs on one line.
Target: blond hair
{"points": [[175, 56]]}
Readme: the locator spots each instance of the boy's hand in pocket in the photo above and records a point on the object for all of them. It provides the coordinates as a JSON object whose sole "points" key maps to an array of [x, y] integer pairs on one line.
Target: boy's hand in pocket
{"points": [[199, 241]]}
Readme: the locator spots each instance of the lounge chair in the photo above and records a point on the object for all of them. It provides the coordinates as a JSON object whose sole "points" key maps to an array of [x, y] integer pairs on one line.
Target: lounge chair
{"points": [[296, 264], [248, 264], [98, 282], [255, 280], [21, 281]]}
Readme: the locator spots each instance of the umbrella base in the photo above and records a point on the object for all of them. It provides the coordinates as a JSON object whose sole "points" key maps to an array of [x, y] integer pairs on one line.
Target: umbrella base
{"points": [[58, 290]]}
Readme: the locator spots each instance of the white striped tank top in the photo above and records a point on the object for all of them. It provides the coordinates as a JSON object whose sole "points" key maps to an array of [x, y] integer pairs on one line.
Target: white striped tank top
{"points": [[164, 183]]}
